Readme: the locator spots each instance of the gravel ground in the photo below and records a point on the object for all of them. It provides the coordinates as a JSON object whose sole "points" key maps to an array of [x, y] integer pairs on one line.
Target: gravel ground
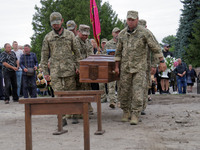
{"points": [[171, 123]]}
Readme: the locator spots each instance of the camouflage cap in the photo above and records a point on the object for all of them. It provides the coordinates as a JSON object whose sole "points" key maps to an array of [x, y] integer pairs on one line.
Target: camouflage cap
{"points": [[116, 29], [70, 25], [142, 22], [84, 29], [132, 14], [104, 40], [55, 18]]}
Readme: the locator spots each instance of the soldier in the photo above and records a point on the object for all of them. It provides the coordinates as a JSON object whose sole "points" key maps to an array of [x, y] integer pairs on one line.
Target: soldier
{"points": [[102, 86], [85, 48], [133, 45], [71, 26], [112, 85], [60, 46], [151, 62], [143, 23], [103, 44]]}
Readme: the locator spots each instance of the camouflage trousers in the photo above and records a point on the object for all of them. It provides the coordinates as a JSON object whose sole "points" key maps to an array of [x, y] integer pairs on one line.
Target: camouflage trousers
{"points": [[131, 91], [146, 88], [102, 87], [111, 91], [83, 86], [63, 83]]}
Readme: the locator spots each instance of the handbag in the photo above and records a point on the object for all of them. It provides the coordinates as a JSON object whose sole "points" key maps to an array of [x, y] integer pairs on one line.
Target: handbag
{"points": [[30, 71], [193, 79]]}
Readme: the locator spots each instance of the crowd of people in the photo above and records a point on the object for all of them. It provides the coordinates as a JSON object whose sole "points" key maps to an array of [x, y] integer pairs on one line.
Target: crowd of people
{"points": [[15, 64], [139, 61], [180, 76]]}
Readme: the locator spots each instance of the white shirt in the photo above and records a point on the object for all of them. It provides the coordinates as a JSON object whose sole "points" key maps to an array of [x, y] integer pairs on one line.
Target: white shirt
{"points": [[18, 53]]}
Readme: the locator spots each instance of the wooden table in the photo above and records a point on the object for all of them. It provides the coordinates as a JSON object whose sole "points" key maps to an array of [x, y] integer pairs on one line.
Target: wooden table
{"points": [[97, 99], [55, 106]]}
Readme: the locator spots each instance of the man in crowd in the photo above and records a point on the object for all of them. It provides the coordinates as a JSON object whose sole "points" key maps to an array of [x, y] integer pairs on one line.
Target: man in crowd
{"points": [[10, 65], [133, 45], [18, 53], [166, 51], [1, 81], [180, 72], [103, 86], [103, 45], [94, 45], [112, 85], [59, 45], [95, 86], [29, 60]]}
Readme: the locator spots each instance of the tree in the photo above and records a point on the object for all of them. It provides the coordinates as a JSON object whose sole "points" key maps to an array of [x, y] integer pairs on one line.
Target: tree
{"points": [[79, 13], [188, 17], [108, 20], [192, 55], [41, 25]]}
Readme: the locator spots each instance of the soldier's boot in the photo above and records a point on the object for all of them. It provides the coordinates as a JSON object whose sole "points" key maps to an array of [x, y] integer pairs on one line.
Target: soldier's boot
{"points": [[64, 122], [143, 112], [112, 105], [134, 119], [125, 117], [75, 119]]}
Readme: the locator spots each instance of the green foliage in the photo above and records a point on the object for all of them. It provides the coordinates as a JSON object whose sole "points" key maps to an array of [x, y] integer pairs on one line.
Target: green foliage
{"points": [[108, 20], [192, 55], [78, 11], [170, 39], [190, 14]]}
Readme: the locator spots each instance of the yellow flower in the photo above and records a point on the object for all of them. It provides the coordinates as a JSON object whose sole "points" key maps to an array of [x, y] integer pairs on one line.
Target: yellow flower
{"points": [[40, 69], [37, 82], [42, 81], [40, 76]]}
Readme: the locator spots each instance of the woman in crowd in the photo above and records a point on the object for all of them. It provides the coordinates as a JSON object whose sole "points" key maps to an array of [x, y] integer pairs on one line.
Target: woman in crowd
{"points": [[191, 75]]}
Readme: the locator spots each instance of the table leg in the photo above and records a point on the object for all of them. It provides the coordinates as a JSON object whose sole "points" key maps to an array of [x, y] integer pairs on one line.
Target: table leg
{"points": [[86, 127], [99, 123], [28, 127], [60, 127]]}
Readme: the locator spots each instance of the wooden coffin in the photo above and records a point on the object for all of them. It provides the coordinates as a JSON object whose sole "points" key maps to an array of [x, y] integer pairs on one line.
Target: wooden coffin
{"points": [[98, 69]]}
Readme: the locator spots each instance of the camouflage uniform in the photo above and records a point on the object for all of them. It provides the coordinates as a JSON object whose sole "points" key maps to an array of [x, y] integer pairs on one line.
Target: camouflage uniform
{"points": [[63, 50], [132, 52], [111, 85], [102, 85], [103, 50], [85, 49], [152, 61], [64, 57]]}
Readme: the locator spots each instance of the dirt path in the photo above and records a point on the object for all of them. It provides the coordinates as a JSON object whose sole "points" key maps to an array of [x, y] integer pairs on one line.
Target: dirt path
{"points": [[172, 123]]}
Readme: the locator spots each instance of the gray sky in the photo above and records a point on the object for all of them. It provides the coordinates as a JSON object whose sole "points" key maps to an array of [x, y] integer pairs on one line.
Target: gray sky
{"points": [[162, 17]]}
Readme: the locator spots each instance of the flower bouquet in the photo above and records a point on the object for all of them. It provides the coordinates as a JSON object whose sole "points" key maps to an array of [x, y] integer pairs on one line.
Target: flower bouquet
{"points": [[48, 79], [171, 63], [41, 82]]}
